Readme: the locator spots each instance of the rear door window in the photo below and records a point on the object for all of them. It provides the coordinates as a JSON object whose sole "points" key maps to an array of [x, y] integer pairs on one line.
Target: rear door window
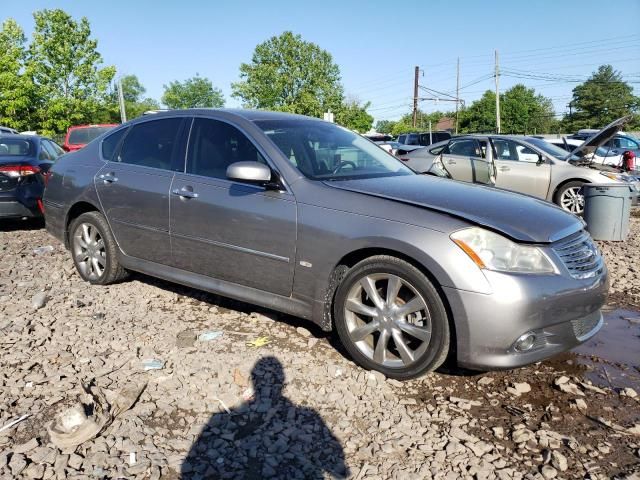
{"points": [[151, 144], [110, 144]]}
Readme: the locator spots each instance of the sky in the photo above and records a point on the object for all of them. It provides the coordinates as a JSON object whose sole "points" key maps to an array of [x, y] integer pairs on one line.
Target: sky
{"points": [[549, 45]]}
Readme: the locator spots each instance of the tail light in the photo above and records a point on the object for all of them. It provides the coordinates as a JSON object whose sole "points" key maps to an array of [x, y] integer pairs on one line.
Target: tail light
{"points": [[46, 176], [15, 171]]}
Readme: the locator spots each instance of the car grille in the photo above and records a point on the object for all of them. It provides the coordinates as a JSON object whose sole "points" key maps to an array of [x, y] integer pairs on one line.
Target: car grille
{"points": [[580, 255], [582, 327]]}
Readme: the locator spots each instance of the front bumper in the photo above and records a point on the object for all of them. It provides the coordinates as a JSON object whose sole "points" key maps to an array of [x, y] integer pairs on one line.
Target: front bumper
{"points": [[561, 312]]}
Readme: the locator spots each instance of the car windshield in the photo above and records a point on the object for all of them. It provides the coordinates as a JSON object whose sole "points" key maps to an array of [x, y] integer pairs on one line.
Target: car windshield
{"points": [[16, 147], [324, 151], [553, 150], [81, 136]]}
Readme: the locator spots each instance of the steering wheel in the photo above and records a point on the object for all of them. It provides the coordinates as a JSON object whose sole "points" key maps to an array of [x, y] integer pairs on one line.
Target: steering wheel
{"points": [[342, 164]]}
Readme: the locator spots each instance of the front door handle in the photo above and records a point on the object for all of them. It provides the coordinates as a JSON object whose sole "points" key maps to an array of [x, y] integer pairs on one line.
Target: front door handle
{"points": [[451, 162], [504, 169], [109, 177], [185, 193]]}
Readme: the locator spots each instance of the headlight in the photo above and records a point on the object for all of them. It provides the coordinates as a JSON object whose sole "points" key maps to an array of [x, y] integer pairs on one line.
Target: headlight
{"points": [[495, 252], [617, 176]]}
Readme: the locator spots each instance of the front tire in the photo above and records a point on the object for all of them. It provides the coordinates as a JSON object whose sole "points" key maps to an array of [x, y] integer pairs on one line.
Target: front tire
{"points": [[570, 197], [94, 250], [390, 318]]}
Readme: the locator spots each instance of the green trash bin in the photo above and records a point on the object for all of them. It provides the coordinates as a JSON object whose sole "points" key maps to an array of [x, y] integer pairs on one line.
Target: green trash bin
{"points": [[607, 207]]}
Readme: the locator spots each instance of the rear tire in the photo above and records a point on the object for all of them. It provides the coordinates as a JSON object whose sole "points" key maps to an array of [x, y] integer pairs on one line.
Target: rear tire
{"points": [[390, 318], [94, 250], [570, 198]]}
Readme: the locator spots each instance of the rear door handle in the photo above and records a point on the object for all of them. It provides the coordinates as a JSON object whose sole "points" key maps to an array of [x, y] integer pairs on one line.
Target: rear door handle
{"points": [[109, 177], [184, 193], [451, 162], [504, 169]]}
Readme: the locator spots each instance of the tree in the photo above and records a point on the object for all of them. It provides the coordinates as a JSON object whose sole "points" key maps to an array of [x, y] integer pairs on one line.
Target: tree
{"points": [[354, 116], [480, 116], [64, 63], [524, 112], [384, 126], [17, 102], [289, 74], [603, 98], [521, 111], [195, 92], [405, 124]]}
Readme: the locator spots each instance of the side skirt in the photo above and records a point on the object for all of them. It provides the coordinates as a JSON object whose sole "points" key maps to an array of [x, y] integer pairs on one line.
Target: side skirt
{"points": [[291, 306]]}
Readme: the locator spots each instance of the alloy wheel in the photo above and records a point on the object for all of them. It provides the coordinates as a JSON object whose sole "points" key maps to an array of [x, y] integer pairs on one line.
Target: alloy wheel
{"points": [[388, 320], [89, 251], [572, 200]]}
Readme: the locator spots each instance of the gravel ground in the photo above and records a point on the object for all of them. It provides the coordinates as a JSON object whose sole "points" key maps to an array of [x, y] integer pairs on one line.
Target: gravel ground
{"points": [[272, 396]]}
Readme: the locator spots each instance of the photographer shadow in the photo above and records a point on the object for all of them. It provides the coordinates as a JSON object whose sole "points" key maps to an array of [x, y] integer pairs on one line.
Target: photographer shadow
{"points": [[266, 437]]}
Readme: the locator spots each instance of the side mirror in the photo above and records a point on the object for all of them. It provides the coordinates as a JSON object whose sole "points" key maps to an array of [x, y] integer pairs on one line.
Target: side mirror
{"points": [[251, 172], [541, 160]]}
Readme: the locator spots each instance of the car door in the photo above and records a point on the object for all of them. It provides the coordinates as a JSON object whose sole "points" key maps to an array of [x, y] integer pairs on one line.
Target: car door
{"points": [[465, 160], [518, 168], [237, 232], [134, 185]]}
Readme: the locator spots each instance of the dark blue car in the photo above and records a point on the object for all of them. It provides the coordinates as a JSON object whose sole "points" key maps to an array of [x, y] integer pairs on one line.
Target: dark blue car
{"points": [[24, 163]]}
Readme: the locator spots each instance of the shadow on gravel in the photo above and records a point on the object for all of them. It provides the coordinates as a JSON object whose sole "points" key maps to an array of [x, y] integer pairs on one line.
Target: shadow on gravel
{"points": [[266, 437], [15, 225]]}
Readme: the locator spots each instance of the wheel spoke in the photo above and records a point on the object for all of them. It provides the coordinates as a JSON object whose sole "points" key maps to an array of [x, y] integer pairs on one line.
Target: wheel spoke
{"points": [[357, 307], [96, 266], [85, 234], [380, 352], [414, 305], [369, 286], [420, 333], [406, 354], [364, 331], [393, 287]]}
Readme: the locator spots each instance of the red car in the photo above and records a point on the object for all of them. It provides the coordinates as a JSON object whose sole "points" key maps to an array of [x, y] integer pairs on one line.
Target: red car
{"points": [[78, 136]]}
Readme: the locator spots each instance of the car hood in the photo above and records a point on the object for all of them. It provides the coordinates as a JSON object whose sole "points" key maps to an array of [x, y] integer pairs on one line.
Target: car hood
{"points": [[520, 217]]}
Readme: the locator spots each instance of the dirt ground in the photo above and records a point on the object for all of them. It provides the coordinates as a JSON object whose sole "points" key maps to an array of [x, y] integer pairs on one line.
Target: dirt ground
{"points": [[274, 397]]}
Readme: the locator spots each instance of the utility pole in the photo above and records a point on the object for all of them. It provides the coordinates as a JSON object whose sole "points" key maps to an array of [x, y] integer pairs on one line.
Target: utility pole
{"points": [[123, 111], [415, 96], [457, 92], [497, 96]]}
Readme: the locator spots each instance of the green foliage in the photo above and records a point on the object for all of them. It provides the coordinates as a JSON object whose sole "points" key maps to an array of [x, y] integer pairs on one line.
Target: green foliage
{"points": [[524, 112], [603, 98], [521, 112], [134, 102], [384, 126], [405, 124], [17, 102], [289, 74], [354, 116], [195, 92], [63, 62]]}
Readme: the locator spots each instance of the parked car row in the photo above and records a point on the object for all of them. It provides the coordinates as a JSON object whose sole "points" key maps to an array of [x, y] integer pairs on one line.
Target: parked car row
{"points": [[529, 165], [305, 217]]}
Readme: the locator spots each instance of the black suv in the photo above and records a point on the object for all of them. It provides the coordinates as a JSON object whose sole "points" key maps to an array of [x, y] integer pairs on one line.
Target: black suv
{"points": [[424, 138]]}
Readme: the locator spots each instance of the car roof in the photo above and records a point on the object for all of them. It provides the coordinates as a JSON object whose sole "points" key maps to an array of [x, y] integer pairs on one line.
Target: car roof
{"points": [[20, 136], [247, 114]]}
